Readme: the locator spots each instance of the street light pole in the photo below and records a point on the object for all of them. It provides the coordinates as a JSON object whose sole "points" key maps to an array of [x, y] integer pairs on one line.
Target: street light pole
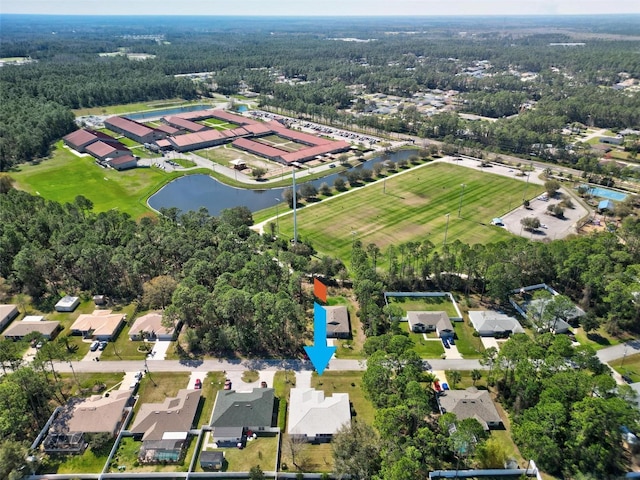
{"points": [[277, 216], [461, 195], [446, 229]]}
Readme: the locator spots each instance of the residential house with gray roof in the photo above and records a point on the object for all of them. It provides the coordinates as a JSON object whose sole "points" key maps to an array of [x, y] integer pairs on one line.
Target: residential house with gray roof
{"points": [[471, 403], [235, 413], [164, 427]]}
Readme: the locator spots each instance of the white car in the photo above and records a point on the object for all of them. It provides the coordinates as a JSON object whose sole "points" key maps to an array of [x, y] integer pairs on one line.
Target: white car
{"points": [[542, 225]]}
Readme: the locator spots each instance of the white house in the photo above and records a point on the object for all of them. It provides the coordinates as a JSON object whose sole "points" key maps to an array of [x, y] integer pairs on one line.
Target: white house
{"points": [[489, 323], [67, 304], [315, 417]]}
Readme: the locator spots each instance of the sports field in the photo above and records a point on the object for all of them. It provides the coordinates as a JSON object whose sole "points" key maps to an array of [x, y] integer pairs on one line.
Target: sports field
{"points": [[66, 176], [412, 207]]}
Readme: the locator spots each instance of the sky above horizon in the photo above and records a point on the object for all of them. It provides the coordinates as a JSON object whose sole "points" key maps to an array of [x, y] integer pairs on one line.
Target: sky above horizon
{"points": [[317, 8]]}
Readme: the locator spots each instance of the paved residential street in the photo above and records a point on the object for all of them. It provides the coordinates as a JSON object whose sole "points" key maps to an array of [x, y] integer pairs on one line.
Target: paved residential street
{"points": [[219, 365]]}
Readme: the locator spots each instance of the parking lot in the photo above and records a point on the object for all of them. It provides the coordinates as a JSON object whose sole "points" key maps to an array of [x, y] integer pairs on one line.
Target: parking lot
{"points": [[552, 228]]}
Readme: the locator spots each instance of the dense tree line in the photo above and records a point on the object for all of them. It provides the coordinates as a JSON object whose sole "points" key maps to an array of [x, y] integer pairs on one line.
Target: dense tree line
{"points": [[566, 408], [182, 262], [598, 271]]}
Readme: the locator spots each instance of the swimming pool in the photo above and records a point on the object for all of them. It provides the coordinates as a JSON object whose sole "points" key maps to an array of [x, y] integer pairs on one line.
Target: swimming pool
{"points": [[606, 193]]}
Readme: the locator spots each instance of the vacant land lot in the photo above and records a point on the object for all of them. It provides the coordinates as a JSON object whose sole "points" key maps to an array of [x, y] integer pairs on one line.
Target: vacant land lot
{"points": [[428, 304], [411, 207]]}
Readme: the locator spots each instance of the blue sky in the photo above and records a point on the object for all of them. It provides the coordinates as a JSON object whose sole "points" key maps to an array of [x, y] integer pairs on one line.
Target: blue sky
{"points": [[320, 7]]}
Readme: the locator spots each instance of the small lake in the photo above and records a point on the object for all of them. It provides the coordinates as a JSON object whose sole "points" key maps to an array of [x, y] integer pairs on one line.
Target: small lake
{"points": [[192, 192], [167, 111]]}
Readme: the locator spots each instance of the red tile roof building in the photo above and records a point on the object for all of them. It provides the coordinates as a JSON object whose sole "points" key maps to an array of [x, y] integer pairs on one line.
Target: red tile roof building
{"points": [[102, 150], [123, 163], [81, 139], [184, 124], [133, 130]]}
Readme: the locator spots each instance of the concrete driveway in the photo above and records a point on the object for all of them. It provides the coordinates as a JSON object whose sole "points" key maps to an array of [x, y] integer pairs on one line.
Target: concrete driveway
{"points": [[159, 351], [489, 342]]}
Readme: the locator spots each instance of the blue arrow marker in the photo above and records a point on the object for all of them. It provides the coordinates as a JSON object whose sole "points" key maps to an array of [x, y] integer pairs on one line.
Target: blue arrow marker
{"points": [[320, 353]]}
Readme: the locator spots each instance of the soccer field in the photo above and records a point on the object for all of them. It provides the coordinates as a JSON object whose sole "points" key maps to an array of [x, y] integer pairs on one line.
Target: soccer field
{"points": [[412, 207]]}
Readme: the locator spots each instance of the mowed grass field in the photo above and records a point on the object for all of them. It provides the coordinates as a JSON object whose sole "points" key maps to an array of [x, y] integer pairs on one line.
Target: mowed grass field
{"points": [[65, 176], [412, 207]]}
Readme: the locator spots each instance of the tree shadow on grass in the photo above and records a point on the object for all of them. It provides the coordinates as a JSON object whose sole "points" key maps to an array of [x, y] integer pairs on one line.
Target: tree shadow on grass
{"points": [[599, 339]]}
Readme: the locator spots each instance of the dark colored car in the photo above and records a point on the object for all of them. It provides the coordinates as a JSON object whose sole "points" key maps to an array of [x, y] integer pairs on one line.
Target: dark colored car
{"points": [[198, 384], [627, 378], [227, 384]]}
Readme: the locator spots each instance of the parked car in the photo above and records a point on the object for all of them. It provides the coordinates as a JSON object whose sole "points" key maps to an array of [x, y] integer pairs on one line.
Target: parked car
{"points": [[452, 341], [94, 345], [445, 342], [263, 384], [102, 346], [227, 384], [627, 378], [198, 384]]}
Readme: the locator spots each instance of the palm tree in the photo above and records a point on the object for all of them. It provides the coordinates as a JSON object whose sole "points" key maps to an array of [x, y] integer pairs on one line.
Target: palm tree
{"points": [[475, 376], [454, 377]]}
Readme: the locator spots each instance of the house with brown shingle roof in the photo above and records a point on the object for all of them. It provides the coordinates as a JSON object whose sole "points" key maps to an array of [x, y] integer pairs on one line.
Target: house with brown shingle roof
{"points": [[150, 326], [426, 321], [32, 324], [81, 139], [164, 427], [99, 325], [81, 416], [471, 403]]}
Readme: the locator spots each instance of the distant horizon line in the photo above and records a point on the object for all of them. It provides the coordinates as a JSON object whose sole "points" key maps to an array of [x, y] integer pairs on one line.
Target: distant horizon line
{"points": [[496, 15]]}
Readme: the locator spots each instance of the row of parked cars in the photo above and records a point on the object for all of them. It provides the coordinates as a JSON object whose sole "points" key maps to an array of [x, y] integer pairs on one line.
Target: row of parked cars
{"points": [[448, 341]]}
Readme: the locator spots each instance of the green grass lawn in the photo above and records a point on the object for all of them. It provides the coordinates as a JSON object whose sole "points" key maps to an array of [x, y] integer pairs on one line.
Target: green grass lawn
{"points": [[466, 380], [82, 383], [262, 451], [132, 107], [65, 176], [283, 382], [630, 365], [426, 348], [213, 382], [346, 382], [430, 304], [414, 207], [88, 462], [156, 386], [312, 458], [600, 338], [468, 345]]}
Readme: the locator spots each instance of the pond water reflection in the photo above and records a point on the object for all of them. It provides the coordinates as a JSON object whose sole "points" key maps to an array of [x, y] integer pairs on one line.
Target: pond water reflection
{"points": [[192, 192]]}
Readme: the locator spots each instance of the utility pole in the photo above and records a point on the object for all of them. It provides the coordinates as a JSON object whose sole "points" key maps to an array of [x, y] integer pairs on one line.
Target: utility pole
{"points": [[295, 209], [277, 216]]}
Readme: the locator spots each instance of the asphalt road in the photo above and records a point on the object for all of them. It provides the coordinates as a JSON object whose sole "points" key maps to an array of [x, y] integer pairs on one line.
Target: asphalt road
{"points": [[219, 365]]}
